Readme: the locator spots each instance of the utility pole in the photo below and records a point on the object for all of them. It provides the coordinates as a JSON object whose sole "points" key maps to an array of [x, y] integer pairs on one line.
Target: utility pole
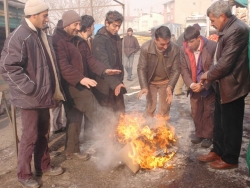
{"points": [[91, 6], [6, 18]]}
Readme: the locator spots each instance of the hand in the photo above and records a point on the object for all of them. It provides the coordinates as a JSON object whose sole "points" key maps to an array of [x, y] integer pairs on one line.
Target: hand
{"points": [[169, 95], [88, 82], [143, 91], [204, 77], [118, 89], [112, 71], [196, 87]]}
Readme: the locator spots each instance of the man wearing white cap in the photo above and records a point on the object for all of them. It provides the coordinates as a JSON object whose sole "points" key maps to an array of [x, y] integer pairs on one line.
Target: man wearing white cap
{"points": [[28, 65]]}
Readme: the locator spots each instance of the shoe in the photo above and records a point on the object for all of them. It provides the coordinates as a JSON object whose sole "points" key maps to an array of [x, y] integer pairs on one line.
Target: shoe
{"points": [[220, 164], [196, 140], [182, 93], [30, 183], [129, 79], [53, 171], [211, 156], [206, 143], [82, 156]]}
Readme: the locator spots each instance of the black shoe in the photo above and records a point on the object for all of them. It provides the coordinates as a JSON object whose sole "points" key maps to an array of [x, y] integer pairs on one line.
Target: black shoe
{"points": [[182, 93], [53, 171], [30, 183], [129, 79], [196, 140], [206, 143]]}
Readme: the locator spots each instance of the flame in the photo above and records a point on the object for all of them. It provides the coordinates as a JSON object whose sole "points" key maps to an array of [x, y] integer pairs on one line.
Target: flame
{"points": [[146, 141]]}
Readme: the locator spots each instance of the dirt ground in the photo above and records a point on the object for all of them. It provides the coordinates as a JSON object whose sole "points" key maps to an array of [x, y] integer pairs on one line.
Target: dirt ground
{"points": [[103, 170]]}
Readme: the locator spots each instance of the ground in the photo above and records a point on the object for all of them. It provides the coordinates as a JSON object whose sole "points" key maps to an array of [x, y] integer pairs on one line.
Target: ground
{"points": [[104, 171]]}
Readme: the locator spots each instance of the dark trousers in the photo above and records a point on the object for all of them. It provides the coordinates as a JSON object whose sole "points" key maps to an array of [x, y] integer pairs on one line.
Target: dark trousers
{"points": [[163, 106], [228, 128], [84, 104], [35, 129], [203, 114]]}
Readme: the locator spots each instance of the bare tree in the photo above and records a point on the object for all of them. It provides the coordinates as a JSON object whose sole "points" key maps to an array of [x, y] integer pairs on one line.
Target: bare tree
{"points": [[96, 7]]}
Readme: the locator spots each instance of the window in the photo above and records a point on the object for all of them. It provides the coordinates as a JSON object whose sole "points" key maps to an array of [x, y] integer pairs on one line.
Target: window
{"points": [[155, 22], [144, 23]]}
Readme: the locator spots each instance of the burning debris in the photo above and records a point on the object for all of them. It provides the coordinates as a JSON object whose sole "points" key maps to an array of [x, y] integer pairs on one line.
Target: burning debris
{"points": [[148, 144]]}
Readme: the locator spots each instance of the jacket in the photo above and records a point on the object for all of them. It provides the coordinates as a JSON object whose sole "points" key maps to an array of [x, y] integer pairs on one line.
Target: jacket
{"points": [[106, 52], [148, 62], [232, 69], [24, 67], [131, 45], [206, 55], [74, 59]]}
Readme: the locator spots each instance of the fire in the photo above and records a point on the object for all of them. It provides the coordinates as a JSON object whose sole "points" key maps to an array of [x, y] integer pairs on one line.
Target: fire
{"points": [[150, 145]]}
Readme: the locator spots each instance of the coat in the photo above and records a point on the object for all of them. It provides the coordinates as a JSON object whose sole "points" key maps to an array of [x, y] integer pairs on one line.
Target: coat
{"points": [[24, 67], [131, 45], [148, 62], [106, 52], [232, 69]]}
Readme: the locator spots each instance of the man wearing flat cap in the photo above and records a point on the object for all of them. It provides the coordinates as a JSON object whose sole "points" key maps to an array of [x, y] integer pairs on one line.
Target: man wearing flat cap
{"points": [[74, 60], [29, 67]]}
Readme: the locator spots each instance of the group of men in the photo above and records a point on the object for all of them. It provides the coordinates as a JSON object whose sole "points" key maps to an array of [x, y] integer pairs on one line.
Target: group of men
{"points": [[216, 75], [88, 76]]}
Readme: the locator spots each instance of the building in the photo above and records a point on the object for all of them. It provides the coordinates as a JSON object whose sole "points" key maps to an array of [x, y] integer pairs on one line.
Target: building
{"points": [[147, 21], [176, 11]]}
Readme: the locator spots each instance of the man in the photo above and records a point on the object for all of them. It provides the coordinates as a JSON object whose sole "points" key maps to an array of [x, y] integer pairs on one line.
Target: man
{"points": [[131, 46], [87, 29], [74, 59], [107, 48], [180, 83], [173, 38], [196, 58], [28, 65], [231, 73], [158, 71]]}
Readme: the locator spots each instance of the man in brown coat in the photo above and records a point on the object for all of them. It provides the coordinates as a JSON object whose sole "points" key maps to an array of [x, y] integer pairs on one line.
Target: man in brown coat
{"points": [[74, 59], [196, 57], [231, 73], [131, 46], [158, 71]]}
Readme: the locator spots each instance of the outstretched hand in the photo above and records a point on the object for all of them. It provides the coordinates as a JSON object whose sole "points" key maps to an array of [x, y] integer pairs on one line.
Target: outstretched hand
{"points": [[88, 82], [118, 89], [111, 72], [143, 91]]}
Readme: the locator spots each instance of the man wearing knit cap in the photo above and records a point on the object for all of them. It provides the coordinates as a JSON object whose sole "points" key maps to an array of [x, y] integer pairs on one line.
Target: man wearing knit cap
{"points": [[74, 60], [28, 65]]}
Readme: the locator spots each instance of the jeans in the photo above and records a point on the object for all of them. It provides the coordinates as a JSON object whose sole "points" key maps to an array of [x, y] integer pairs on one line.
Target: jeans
{"points": [[128, 64]]}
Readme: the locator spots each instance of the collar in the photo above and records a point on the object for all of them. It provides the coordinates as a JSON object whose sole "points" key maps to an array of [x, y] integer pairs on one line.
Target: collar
{"points": [[30, 24], [227, 25], [199, 48]]}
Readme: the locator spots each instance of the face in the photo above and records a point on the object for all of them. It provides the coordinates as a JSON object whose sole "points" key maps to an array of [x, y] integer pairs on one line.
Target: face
{"points": [[73, 28], [114, 27], [130, 33], [40, 20], [194, 44], [162, 44], [218, 23]]}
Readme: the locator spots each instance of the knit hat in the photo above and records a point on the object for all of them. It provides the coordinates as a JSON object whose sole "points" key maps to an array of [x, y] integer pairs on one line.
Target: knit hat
{"points": [[33, 7], [130, 29], [70, 17]]}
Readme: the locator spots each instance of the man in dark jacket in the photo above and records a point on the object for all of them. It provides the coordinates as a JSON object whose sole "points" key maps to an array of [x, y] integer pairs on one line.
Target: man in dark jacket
{"points": [[158, 71], [74, 59], [196, 58], [231, 73], [131, 46], [107, 48], [28, 65]]}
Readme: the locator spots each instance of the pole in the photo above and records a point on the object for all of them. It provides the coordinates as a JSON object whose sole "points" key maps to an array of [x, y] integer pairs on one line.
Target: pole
{"points": [[91, 6], [6, 18]]}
